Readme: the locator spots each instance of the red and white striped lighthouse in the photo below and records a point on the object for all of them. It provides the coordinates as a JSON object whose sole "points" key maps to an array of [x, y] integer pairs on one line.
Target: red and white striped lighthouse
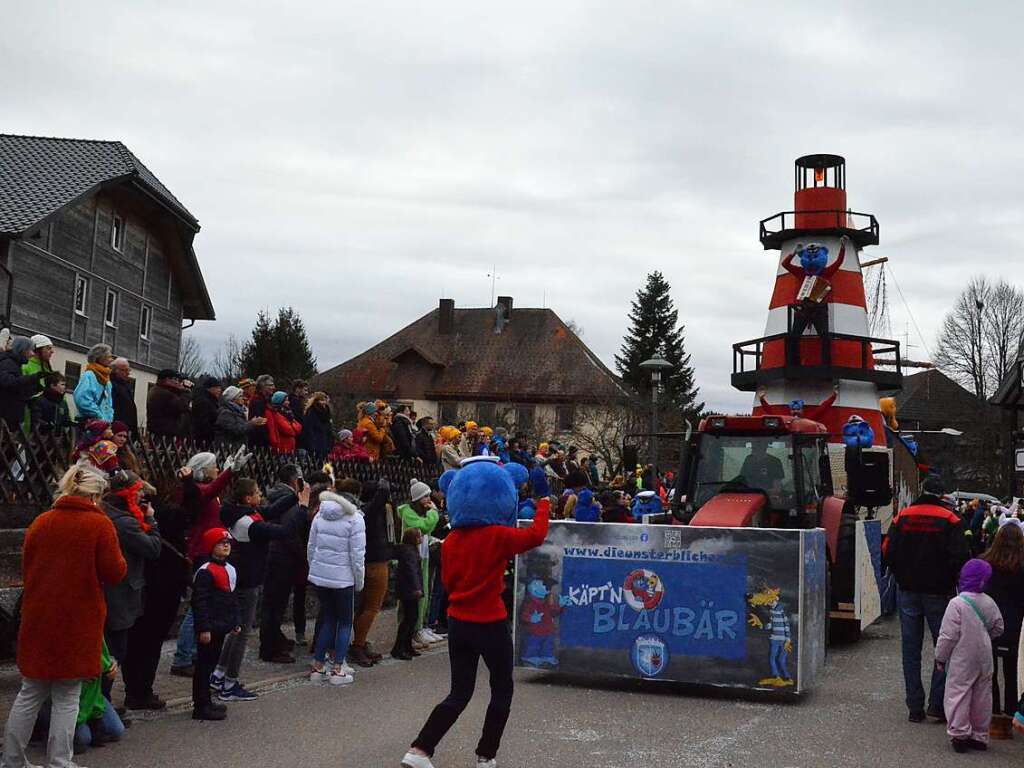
{"points": [[816, 341]]}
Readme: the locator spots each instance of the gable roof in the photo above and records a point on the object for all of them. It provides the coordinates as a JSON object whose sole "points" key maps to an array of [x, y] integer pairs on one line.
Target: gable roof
{"points": [[536, 358], [40, 175], [931, 397]]}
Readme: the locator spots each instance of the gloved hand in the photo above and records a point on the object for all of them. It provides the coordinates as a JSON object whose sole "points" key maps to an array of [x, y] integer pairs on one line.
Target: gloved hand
{"points": [[238, 460]]}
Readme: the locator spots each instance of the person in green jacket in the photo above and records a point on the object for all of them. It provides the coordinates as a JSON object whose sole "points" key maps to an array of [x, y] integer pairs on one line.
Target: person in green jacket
{"points": [[39, 364], [97, 722], [421, 514]]}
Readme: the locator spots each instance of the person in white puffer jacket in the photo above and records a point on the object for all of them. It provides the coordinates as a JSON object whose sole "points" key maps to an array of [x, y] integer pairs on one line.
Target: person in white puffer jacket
{"points": [[336, 554]]}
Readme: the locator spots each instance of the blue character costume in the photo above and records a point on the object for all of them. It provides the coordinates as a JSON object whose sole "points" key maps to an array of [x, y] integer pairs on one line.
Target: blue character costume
{"points": [[538, 613], [646, 503], [586, 510]]}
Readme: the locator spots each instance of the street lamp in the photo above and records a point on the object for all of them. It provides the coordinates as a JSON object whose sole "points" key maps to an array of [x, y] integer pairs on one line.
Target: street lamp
{"points": [[655, 366]]}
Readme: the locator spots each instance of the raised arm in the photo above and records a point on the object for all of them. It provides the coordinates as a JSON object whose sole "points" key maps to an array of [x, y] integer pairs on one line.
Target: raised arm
{"points": [[515, 541], [787, 264]]}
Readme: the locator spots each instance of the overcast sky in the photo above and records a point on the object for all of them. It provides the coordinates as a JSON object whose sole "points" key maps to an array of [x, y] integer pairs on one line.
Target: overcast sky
{"points": [[360, 160]]}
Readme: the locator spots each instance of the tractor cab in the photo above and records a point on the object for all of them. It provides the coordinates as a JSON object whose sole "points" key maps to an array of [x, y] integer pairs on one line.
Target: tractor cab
{"points": [[760, 471]]}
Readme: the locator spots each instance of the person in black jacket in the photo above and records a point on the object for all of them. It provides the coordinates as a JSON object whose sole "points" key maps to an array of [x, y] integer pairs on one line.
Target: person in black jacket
{"points": [[925, 549], [258, 409], [167, 406], [167, 578], [123, 396], [215, 608], [252, 528], [49, 412], [375, 497], [317, 435], [401, 434], [1006, 556], [409, 590], [204, 409], [297, 399], [426, 448], [286, 568], [15, 388]]}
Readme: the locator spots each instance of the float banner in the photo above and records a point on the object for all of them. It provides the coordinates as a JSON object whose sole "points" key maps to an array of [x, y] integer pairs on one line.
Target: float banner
{"points": [[715, 606]]}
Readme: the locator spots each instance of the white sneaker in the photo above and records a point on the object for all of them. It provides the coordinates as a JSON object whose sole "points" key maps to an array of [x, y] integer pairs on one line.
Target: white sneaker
{"points": [[338, 677], [347, 669], [318, 676], [420, 639], [431, 637], [416, 761], [481, 763]]}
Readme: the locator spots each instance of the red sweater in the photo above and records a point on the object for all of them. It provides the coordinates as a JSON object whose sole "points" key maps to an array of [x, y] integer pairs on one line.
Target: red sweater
{"points": [[473, 565]]}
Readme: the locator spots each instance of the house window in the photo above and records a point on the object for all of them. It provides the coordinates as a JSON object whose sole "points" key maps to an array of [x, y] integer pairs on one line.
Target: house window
{"points": [[72, 373], [81, 294], [110, 309], [117, 233], [565, 415], [448, 414], [485, 413], [524, 417], [146, 323]]}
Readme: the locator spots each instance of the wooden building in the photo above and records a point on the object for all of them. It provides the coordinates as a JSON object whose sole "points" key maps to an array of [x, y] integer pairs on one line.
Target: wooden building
{"points": [[94, 248]]}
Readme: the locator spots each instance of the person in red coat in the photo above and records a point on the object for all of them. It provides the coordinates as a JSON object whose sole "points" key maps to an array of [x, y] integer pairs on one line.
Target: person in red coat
{"points": [[282, 427], [70, 553]]}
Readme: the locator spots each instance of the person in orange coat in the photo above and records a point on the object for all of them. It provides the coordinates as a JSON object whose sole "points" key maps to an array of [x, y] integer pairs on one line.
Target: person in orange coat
{"points": [[70, 553], [375, 431], [282, 427]]}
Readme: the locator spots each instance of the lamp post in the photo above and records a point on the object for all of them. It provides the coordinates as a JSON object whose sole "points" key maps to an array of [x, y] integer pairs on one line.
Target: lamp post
{"points": [[655, 366]]}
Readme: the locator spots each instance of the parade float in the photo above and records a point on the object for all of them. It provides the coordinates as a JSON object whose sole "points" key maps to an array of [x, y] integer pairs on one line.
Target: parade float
{"points": [[772, 547]]}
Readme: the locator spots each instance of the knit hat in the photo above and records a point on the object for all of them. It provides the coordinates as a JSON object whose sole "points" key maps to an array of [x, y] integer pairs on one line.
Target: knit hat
{"points": [[97, 426], [448, 434], [975, 575], [230, 394], [344, 434], [39, 341], [487, 431], [418, 490], [369, 408], [119, 426], [470, 426], [278, 398], [212, 538], [246, 382]]}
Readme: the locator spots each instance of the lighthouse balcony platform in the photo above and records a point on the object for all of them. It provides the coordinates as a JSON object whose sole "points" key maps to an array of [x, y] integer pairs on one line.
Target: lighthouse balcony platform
{"points": [[831, 357], [861, 228]]}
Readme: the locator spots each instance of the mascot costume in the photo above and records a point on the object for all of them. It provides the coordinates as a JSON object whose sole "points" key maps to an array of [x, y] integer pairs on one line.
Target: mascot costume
{"points": [[482, 500]]}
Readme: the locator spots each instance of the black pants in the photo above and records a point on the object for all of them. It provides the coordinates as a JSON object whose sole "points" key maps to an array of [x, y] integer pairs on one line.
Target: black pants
{"points": [[1008, 703], [467, 643], [145, 641], [804, 317], [276, 591], [117, 644], [299, 608], [407, 627], [207, 657]]}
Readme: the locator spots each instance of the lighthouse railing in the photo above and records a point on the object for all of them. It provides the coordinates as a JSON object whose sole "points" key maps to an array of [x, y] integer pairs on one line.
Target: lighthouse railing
{"points": [[862, 228]]}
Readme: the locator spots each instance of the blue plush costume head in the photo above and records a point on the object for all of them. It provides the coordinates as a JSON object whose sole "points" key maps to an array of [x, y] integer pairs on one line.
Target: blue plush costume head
{"points": [[858, 434], [482, 492], [537, 588], [813, 258]]}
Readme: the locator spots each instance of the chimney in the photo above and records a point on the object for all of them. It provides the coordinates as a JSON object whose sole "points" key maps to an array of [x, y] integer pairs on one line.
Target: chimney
{"points": [[502, 313], [505, 302], [446, 317]]}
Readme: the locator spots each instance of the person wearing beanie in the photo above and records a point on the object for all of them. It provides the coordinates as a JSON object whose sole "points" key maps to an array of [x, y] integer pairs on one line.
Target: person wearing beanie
{"points": [[337, 568], [348, 449], [16, 387], [233, 424], [925, 549], [205, 404], [283, 428], [964, 653], [216, 615], [38, 365], [421, 514], [375, 431], [450, 439]]}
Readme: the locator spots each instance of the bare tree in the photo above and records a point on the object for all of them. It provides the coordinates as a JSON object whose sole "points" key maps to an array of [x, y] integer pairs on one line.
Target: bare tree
{"points": [[191, 362], [981, 336], [600, 430], [575, 327], [227, 361]]}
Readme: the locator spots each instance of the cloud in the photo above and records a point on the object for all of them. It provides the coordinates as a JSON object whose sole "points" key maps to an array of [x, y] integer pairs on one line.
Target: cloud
{"points": [[359, 161]]}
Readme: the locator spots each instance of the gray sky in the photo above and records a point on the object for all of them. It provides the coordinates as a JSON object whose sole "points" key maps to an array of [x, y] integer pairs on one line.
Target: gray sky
{"points": [[359, 160]]}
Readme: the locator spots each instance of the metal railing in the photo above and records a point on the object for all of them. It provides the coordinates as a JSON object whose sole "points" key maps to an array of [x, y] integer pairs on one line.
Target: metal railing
{"points": [[861, 227]]}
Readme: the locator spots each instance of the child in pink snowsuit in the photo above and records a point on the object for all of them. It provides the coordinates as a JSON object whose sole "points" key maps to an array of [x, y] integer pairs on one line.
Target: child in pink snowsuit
{"points": [[965, 650]]}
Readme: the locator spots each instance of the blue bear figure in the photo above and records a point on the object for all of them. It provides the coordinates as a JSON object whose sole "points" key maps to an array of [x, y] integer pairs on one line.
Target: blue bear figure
{"points": [[646, 503], [586, 510], [483, 492], [857, 433], [538, 614], [814, 259]]}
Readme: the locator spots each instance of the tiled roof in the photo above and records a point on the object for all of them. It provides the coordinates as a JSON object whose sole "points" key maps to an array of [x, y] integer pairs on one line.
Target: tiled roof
{"points": [[536, 357], [935, 400], [40, 175]]}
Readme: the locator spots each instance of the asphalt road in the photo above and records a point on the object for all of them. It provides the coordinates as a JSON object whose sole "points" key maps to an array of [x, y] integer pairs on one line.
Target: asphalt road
{"points": [[855, 717]]}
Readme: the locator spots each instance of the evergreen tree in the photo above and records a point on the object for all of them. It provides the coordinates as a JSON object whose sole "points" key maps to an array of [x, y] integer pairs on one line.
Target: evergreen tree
{"points": [[654, 330], [279, 347]]}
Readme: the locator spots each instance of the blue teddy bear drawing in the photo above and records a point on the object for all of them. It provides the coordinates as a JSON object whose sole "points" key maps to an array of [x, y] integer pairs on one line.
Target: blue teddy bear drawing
{"points": [[538, 613]]}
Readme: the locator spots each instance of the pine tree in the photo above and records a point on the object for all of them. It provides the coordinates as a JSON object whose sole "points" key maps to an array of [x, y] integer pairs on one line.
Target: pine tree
{"points": [[654, 330], [279, 348]]}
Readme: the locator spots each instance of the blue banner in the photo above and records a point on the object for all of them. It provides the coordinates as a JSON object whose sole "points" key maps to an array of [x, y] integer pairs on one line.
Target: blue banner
{"points": [[691, 608]]}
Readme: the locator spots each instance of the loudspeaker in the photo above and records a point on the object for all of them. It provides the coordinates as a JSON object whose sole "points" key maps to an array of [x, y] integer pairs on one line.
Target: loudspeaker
{"points": [[867, 478], [630, 458]]}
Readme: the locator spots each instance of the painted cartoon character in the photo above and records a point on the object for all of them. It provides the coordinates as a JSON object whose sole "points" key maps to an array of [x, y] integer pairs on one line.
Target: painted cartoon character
{"points": [[538, 613], [814, 260], [780, 640]]}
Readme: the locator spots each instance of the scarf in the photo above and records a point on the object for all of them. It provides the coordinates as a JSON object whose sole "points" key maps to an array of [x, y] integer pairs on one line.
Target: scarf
{"points": [[131, 499], [101, 372]]}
